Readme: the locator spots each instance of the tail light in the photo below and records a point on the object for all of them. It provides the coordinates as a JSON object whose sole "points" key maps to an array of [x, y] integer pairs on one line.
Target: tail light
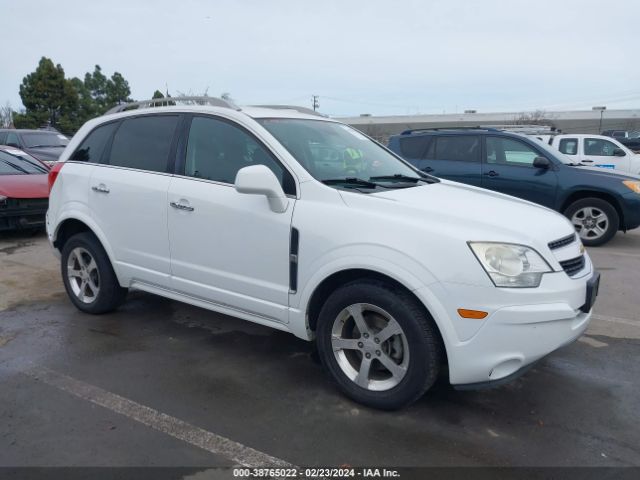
{"points": [[53, 173]]}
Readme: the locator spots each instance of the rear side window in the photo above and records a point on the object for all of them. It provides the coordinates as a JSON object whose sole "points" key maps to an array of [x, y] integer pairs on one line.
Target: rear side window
{"points": [[13, 140], [599, 147], [144, 143], [461, 148], [568, 146], [414, 146], [92, 147]]}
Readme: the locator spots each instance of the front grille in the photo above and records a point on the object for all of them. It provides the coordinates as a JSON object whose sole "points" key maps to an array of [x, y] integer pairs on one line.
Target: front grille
{"points": [[573, 265], [562, 242]]}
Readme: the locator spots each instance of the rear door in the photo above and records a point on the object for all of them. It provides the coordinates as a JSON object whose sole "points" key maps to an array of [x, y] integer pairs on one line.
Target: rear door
{"points": [[454, 157], [598, 152], [128, 196], [508, 168]]}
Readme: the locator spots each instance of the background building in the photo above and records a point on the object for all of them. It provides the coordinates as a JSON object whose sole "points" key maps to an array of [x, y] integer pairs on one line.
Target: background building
{"points": [[581, 121]]}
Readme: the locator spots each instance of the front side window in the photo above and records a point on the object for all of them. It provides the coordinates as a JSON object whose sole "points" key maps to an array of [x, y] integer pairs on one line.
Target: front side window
{"points": [[92, 147], [216, 150], [460, 148], [332, 151], [568, 146], [599, 147], [13, 140], [508, 151], [144, 143]]}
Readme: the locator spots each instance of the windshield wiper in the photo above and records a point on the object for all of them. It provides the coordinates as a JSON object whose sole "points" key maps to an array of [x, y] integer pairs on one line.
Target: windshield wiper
{"points": [[45, 146], [358, 182], [17, 167], [400, 177]]}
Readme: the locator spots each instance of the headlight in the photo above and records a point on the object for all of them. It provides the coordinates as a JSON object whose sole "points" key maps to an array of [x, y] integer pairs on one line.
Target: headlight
{"points": [[633, 185], [510, 265]]}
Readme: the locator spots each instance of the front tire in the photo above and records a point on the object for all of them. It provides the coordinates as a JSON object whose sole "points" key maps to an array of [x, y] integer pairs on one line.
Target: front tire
{"points": [[596, 221], [379, 344], [88, 276]]}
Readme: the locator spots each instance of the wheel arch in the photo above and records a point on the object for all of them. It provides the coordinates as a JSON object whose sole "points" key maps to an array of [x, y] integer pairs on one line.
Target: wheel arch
{"points": [[343, 277], [78, 223], [608, 197]]}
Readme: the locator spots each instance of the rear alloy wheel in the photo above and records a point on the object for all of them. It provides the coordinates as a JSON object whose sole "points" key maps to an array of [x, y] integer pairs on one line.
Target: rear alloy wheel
{"points": [[596, 221], [88, 276], [379, 344]]}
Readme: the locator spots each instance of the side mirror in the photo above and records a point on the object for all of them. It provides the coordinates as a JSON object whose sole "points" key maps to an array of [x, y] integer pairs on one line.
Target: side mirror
{"points": [[541, 162], [618, 152], [259, 180]]}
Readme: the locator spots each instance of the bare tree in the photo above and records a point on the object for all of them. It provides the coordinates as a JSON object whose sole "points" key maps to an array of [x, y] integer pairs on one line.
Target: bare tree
{"points": [[537, 117], [6, 116]]}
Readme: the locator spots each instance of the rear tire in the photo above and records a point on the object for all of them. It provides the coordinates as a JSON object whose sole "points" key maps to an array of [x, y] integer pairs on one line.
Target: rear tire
{"points": [[88, 276], [393, 358], [596, 221]]}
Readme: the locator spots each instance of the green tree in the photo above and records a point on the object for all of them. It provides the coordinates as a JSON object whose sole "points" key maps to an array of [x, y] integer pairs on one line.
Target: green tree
{"points": [[48, 97], [117, 90]]}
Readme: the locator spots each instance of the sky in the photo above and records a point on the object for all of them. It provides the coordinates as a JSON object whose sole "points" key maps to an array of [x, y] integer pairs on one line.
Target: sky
{"points": [[359, 56]]}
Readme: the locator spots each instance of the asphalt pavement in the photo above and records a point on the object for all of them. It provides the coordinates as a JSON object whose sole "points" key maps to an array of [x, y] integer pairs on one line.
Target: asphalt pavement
{"points": [[160, 383]]}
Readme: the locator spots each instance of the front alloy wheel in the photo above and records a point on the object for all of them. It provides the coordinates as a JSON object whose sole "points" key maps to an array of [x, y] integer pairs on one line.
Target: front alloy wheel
{"points": [[370, 347], [378, 343]]}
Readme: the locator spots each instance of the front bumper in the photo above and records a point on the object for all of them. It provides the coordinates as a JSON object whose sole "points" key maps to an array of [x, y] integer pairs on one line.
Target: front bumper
{"points": [[17, 214], [631, 210], [523, 325]]}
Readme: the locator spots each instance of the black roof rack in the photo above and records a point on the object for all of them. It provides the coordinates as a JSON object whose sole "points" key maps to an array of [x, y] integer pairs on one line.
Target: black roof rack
{"points": [[477, 127]]}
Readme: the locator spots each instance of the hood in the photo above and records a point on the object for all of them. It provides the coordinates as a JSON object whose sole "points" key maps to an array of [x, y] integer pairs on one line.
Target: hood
{"points": [[45, 153], [24, 186], [604, 173], [467, 213]]}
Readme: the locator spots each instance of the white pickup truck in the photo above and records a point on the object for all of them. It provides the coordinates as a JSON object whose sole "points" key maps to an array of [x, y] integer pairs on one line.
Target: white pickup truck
{"points": [[597, 151]]}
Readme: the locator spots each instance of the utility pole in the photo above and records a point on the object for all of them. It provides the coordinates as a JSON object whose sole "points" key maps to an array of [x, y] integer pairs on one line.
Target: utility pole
{"points": [[316, 105], [601, 110]]}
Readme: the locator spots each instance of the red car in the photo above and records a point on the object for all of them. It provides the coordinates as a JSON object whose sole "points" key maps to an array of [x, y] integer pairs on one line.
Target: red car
{"points": [[24, 190]]}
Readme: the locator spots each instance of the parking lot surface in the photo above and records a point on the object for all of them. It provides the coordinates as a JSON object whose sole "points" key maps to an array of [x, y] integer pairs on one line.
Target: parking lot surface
{"points": [[160, 383]]}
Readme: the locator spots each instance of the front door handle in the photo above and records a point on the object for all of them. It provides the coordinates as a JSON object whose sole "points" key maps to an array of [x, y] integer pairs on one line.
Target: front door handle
{"points": [[492, 173], [587, 161], [181, 206], [427, 169], [102, 188]]}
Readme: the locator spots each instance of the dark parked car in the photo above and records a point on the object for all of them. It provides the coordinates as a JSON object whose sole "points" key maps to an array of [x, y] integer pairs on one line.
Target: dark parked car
{"points": [[597, 202], [45, 145], [631, 140], [24, 190]]}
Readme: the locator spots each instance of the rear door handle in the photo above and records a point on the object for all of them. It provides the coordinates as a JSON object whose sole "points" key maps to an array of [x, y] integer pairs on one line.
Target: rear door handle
{"points": [[102, 188], [587, 161], [492, 173], [181, 206]]}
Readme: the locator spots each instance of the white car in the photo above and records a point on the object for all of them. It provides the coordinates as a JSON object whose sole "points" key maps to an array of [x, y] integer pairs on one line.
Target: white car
{"points": [[597, 151], [394, 273]]}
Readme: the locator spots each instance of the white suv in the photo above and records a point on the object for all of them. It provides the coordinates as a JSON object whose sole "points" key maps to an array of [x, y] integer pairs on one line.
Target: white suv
{"points": [[303, 224]]}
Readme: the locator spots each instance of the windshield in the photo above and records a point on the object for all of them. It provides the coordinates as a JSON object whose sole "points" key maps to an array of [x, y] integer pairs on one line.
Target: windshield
{"points": [[44, 139], [19, 165], [331, 152]]}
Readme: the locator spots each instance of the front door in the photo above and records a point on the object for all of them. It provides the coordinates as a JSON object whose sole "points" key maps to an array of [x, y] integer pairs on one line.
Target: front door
{"points": [[508, 168], [228, 248], [598, 152]]}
